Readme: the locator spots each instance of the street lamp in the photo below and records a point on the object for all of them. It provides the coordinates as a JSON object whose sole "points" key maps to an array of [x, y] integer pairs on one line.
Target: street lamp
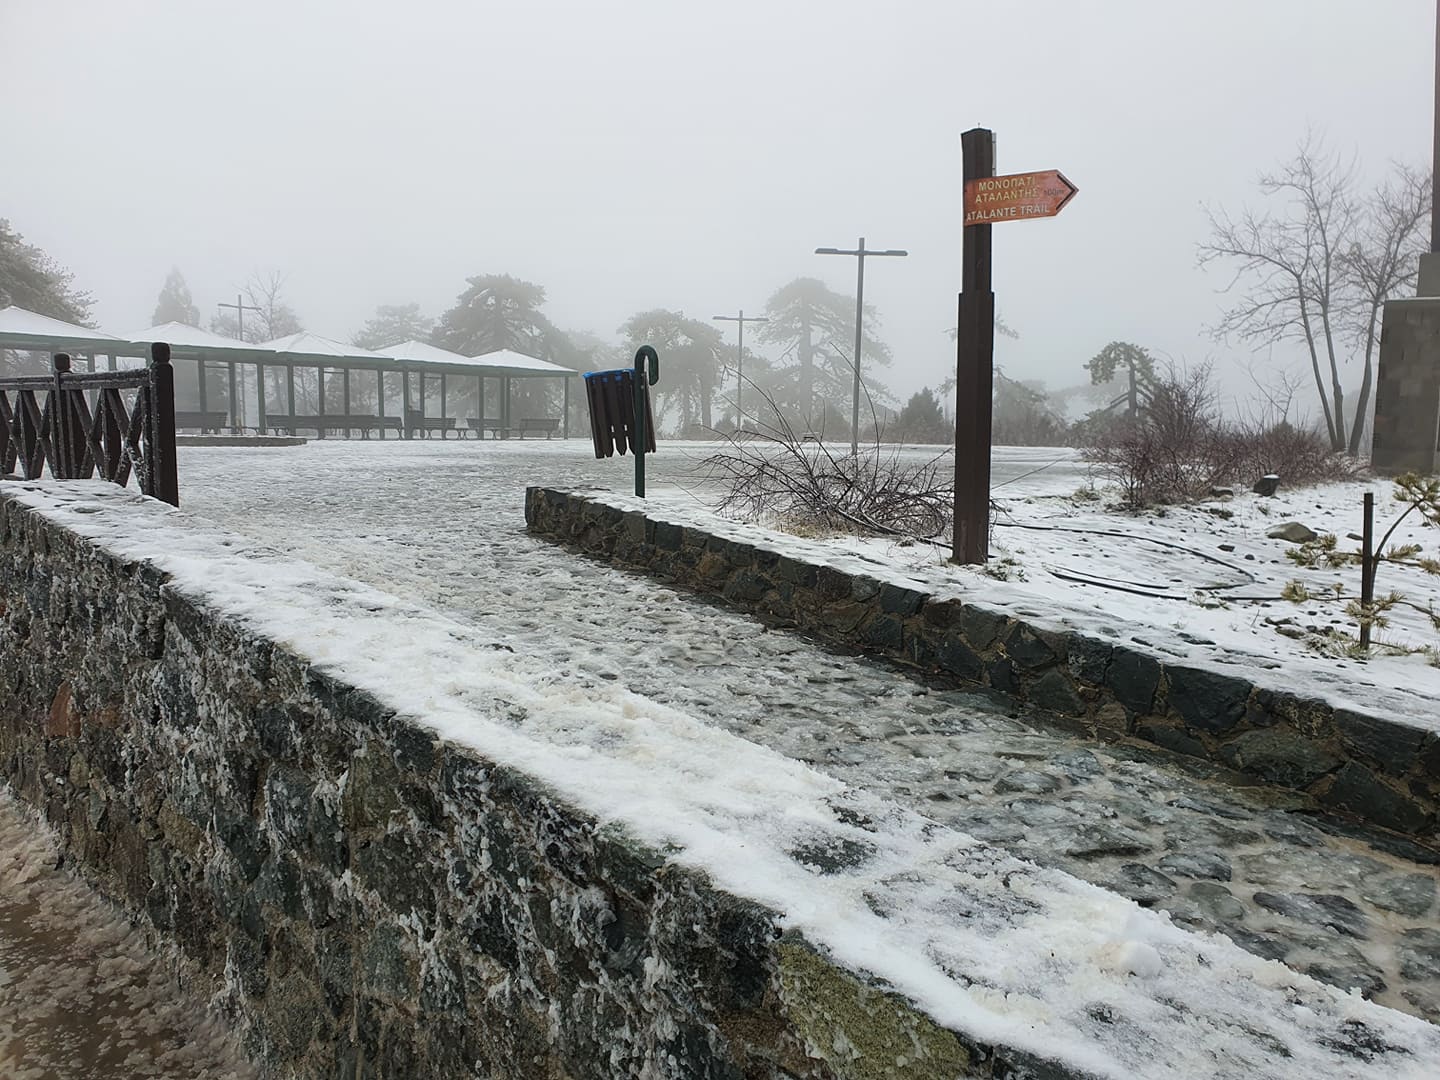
{"points": [[859, 252], [740, 319], [236, 407]]}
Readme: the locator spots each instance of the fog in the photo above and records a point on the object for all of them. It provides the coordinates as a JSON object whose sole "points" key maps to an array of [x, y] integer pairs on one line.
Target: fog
{"points": [[637, 155]]}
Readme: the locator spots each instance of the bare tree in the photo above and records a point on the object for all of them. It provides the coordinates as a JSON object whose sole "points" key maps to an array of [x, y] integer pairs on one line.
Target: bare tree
{"points": [[1291, 263], [1318, 266], [273, 317], [1382, 261], [1276, 388]]}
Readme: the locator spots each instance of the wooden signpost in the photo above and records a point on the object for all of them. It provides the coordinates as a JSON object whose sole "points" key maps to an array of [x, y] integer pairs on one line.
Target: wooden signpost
{"points": [[988, 199]]}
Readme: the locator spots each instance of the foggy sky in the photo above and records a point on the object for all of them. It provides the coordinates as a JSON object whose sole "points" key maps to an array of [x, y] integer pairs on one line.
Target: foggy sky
{"points": [[636, 155]]}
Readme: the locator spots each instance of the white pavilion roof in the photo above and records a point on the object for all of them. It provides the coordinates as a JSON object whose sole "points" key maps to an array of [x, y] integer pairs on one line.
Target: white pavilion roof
{"points": [[182, 337], [509, 358], [423, 352], [500, 362], [17, 322], [307, 344]]}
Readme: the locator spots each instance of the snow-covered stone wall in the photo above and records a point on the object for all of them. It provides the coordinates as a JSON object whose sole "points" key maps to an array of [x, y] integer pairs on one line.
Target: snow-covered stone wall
{"points": [[398, 849], [1376, 767], [370, 900]]}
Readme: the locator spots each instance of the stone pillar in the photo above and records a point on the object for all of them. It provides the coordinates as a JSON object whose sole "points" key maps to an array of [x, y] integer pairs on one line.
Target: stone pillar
{"points": [[1407, 386], [1429, 274]]}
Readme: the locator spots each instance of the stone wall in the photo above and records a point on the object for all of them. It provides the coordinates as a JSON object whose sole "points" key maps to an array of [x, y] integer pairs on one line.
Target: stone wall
{"points": [[1373, 767], [369, 901]]}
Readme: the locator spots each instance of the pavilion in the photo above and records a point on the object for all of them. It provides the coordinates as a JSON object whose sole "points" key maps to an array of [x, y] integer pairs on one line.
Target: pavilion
{"points": [[502, 364], [29, 331]]}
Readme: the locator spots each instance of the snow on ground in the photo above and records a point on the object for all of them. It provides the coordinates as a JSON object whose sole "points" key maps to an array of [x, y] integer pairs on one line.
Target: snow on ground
{"points": [[1010, 952], [442, 523], [82, 994], [1201, 583]]}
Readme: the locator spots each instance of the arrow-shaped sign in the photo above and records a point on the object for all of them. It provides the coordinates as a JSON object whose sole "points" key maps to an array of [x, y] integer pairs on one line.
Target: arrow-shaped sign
{"points": [[1017, 197]]}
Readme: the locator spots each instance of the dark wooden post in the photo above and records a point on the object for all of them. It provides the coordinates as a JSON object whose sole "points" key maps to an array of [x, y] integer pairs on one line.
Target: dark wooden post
{"points": [[6, 442], [61, 466], [480, 401], [505, 404], [204, 395], [444, 402], [345, 396], [160, 424], [974, 371], [290, 385], [565, 414]]}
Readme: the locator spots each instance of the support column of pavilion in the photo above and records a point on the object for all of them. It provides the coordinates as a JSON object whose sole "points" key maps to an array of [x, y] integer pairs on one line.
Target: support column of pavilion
{"points": [[405, 404], [262, 422], [320, 397], [380, 402]]}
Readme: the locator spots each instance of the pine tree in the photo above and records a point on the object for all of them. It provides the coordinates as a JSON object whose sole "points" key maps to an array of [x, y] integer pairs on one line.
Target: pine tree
{"points": [[690, 363], [32, 280], [497, 312], [804, 316], [174, 303], [392, 324], [923, 421]]}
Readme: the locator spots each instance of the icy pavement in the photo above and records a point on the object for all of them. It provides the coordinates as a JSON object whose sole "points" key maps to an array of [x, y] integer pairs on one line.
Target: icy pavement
{"points": [[82, 996], [443, 524], [1007, 951]]}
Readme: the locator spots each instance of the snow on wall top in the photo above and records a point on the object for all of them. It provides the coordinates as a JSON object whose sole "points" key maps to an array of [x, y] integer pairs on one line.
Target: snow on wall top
{"points": [[983, 942]]}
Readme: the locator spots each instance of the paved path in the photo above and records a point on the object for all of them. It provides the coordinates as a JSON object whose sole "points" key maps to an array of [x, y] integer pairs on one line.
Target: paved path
{"points": [[443, 523], [82, 997]]}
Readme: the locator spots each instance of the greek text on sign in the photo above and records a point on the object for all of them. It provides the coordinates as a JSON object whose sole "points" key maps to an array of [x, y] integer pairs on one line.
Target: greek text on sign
{"points": [[1017, 197]]}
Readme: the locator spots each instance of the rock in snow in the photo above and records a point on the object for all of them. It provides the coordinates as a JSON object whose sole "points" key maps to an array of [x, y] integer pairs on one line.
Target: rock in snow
{"points": [[1292, 531]]}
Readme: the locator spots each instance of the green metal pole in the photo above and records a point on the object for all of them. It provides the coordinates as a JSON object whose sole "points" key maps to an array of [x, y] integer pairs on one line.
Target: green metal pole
{"points": [[642, 439]]}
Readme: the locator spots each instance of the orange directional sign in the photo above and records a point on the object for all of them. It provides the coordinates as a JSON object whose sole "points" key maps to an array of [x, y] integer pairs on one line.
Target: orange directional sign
{"points": [[990, 199]]}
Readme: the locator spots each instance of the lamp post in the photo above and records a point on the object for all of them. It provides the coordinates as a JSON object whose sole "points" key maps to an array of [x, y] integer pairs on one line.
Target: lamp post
{"points": [[860, 252], [740, 320], [240, 308]]}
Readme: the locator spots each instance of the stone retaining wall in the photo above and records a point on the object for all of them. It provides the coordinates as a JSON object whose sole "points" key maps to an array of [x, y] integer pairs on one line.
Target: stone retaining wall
{"points": [[369, 901], [1373, 767]]}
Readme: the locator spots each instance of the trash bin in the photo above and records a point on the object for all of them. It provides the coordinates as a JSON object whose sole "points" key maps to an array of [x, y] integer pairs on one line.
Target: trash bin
{"points": [[611, 395]]}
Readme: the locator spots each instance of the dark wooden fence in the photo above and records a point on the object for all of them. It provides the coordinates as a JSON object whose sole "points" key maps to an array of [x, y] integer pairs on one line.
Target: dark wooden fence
{"points": [[77, 441]]}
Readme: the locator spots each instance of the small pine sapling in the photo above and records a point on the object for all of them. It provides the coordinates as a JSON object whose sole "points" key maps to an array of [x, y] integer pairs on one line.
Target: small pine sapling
{"points": [[1417, 493]]}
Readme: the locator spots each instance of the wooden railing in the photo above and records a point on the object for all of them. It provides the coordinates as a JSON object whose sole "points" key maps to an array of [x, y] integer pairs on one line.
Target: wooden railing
{"points": [[77, 441]]}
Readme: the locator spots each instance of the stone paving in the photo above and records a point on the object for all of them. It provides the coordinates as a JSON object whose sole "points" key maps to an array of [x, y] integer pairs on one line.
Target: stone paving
{"points": [[445, 525]]}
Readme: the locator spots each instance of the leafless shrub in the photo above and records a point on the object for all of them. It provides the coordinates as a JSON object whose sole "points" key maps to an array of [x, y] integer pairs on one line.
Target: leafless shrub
{"points": [[1299, 455], [772, 471], [1180, 448]]}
